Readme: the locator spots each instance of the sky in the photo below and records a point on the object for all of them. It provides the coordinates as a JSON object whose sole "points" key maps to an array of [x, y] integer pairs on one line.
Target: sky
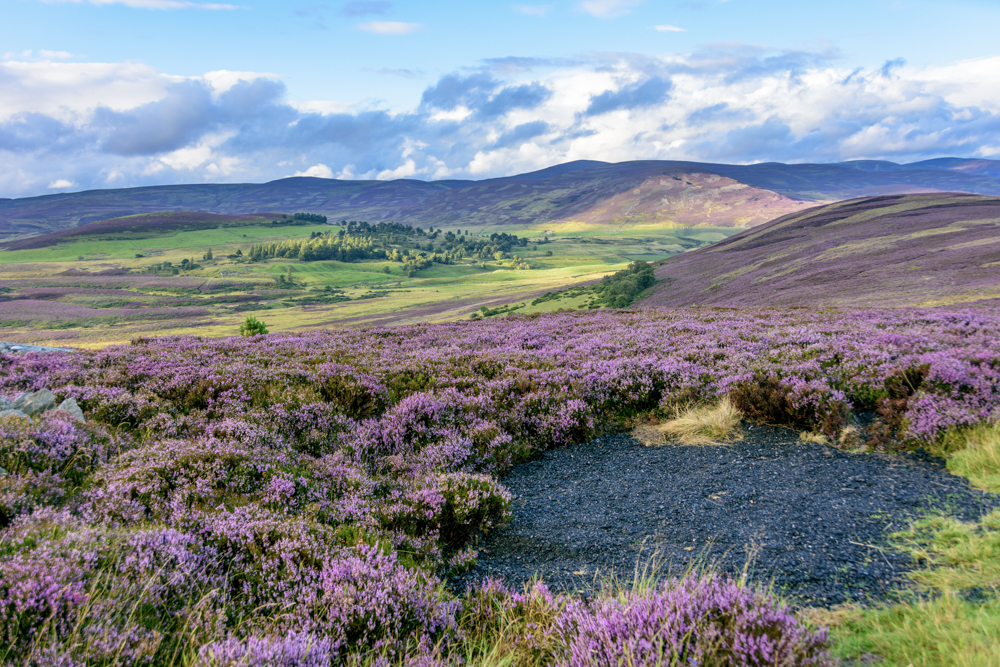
{"points": [[122, 93]]}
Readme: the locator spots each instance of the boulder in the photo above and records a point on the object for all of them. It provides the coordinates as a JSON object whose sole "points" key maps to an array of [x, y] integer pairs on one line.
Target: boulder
{"points": [[5, 404], [36, 403], [70, 406], [13, 413]]}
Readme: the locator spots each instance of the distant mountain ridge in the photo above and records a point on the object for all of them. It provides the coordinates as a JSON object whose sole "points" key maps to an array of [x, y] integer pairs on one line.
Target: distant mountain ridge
{"points": [[588, 192], [896, 250]]}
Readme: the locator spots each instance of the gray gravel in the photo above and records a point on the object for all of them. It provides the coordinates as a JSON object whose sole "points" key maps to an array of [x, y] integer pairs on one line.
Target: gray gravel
{"points": [[809, 518]]}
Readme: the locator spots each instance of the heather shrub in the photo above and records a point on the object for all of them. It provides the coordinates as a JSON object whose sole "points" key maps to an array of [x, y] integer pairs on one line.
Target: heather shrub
{"points": [[697, 620], [768, 399], [54, 444], [159, 479]]}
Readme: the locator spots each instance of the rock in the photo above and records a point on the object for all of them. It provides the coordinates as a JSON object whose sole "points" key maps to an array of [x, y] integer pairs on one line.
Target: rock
{"points": [[70, 406], [3, 472], [19, 348], [13, 413], [36, 403], [5, 404]]}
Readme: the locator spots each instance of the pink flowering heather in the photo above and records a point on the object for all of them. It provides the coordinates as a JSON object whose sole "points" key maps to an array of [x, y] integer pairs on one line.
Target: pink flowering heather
{"points": [[295, 498], [693, 621]]}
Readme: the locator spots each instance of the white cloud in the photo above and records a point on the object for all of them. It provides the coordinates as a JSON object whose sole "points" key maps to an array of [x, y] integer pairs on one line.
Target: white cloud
{"points": [[63, 90], [408, 168], [607, 9], [61, 184], [533, 10], [322, 107], [222, 80], [55, 55], [389, 27], [667, 28], [316, 171], [152, 4]]}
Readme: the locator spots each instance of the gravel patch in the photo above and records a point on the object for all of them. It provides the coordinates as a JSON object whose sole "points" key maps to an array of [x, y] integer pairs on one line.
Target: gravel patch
{"points": [[809, 518]]}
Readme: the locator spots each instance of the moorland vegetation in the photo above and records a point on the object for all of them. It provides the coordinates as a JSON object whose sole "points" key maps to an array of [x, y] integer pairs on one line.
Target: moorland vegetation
{"points": [[298, 499]]}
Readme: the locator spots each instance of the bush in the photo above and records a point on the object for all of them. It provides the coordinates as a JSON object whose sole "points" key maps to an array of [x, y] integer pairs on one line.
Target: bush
{"points": [[253, 327]]}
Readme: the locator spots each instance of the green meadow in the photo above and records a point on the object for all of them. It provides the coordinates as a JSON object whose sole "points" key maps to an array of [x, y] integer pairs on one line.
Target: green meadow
{"points": [[59, 294]]}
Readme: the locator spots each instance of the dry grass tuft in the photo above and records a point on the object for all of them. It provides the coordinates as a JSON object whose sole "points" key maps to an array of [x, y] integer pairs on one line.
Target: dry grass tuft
{"points": [[818, 438], [849, 438], [699, 425]]}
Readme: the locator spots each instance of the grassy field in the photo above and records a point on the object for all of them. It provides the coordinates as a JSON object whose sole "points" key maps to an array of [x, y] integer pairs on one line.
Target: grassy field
{"points": [[91, 291]]}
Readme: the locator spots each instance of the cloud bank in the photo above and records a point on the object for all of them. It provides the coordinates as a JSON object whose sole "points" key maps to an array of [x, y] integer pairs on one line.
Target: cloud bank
{"points": [[97, 125]]}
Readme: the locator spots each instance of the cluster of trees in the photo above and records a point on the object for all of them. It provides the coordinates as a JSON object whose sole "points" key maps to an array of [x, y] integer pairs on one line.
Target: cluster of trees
{"points": [[619, 289], [495, 247], [339, 246], [299, 219], [174, 269]]}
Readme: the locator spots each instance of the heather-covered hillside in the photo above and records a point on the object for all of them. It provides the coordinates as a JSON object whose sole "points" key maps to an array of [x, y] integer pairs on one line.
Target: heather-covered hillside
{"points": [[929, 249]]}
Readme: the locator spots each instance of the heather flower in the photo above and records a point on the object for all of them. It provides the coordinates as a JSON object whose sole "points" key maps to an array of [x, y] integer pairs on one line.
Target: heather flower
{"points": [[692, 621], [291, 650]]}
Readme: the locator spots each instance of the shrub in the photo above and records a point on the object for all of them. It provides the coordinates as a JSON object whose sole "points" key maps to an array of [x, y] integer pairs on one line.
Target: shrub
{"points": [[252, 326]]}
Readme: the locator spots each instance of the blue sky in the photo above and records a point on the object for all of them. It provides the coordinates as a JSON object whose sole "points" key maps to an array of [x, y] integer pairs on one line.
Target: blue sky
{"points": [[114, 93]]}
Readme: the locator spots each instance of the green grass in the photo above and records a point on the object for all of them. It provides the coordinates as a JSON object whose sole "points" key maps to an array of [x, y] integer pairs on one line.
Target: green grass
{"points": [[949, 616], [442, 292], [222, 240]]}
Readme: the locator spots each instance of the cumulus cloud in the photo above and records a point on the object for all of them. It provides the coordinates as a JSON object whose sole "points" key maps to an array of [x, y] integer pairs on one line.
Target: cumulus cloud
{"points": [[667, 28], [316, 171], [117, 125], [61, 184], [389, 27], [652, 91]]}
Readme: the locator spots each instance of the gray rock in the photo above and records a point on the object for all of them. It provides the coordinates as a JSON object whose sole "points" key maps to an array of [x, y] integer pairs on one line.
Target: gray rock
{"points": [[2, 472], [36, 403], [5, 404], [19, 400], [13, 413], [21, 348], [70, 406]]}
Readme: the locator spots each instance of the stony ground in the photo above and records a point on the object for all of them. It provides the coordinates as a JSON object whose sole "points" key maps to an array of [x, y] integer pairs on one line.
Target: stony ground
{"points": [[809, 518]]}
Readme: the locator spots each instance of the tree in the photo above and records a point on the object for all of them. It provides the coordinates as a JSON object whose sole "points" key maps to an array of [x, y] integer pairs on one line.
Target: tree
{"points": [[253, 327], [208, 255]]}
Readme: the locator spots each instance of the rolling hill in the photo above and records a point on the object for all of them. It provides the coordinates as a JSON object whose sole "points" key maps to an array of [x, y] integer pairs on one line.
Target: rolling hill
{"points": [[587, 192], [924, 249]]}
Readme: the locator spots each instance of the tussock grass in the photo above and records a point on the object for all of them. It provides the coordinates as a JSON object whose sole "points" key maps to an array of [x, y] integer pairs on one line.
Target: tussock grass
{"points": [[818, 438], [979, 459], [697, 425]]}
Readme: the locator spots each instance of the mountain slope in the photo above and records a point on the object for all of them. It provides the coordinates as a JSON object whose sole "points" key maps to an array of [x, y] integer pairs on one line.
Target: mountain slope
{"points": [[587, 192], [893, 250]]}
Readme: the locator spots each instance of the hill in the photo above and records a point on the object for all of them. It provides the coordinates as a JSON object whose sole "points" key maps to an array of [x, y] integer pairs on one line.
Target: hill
{"points": [[585, 192], [926, 249]]}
